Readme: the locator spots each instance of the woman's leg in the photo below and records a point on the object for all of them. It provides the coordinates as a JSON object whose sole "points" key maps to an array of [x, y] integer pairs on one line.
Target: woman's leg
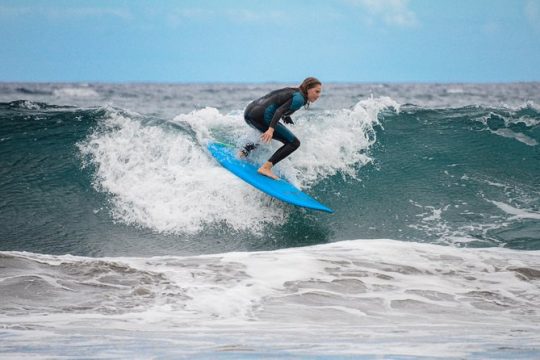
{"points": [[249, 147], [290, 143], [282, 134]]}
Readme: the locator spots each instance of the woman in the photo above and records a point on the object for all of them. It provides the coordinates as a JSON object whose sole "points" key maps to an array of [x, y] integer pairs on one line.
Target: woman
{"points": [[264, 114]]}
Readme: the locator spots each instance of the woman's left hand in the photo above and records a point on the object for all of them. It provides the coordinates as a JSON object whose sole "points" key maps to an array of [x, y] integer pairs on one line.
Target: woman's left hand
{"points": [[267, 136]]}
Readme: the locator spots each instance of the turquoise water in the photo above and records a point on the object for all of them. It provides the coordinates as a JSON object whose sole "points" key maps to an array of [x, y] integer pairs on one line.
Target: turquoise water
{"points": [[436, 230], [467, 175]]}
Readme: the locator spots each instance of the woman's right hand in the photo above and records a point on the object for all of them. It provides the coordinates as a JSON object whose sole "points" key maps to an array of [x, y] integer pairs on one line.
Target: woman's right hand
{"points": [[267, 135]]}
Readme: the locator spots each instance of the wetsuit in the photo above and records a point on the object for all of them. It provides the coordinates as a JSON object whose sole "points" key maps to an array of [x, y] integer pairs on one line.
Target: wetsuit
{"points": [[266, 112]]}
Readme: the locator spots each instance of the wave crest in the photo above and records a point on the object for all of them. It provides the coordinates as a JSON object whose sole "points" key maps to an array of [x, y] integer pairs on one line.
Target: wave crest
{"points": [[160, 176]]}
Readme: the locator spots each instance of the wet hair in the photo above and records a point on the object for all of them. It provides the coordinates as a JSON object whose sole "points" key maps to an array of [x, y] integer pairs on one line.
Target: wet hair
{"points": [[308, 83]]}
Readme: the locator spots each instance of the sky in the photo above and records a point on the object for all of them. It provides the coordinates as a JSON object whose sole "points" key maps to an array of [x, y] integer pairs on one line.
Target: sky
{"points": [[238, 41]]}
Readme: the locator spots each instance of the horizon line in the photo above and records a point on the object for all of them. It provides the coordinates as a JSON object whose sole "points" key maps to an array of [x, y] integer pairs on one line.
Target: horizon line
{"points": [[128, 82]]}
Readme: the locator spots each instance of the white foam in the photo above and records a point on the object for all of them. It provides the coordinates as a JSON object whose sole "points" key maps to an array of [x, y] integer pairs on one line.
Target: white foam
{"points": [[527, 121], [30, 105], [80, 92], [507, 133], [523, 105], [496, 184], [518, 213], [163, 178], [372, 289], [455, 90], [434, 221], [508, 121], [335, 142], [331, 142]]}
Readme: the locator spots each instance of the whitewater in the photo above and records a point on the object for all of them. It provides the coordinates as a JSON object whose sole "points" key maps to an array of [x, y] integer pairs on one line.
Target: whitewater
{"points": [[121, 237]]}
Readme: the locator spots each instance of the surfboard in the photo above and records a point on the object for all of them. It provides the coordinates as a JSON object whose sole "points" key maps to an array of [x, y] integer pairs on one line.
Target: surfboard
{"points": [[279, 189]]}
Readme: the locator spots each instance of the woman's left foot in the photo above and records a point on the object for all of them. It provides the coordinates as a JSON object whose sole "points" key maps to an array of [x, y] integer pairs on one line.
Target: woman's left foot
{"points": [[266, 170]]}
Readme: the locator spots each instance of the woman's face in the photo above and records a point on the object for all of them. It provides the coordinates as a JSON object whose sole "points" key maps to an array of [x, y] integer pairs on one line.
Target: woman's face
{"points": [[314, 93]]}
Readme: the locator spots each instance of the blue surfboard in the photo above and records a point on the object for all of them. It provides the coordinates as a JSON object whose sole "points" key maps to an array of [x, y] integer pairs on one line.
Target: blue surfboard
{"points": [[280, 189]]}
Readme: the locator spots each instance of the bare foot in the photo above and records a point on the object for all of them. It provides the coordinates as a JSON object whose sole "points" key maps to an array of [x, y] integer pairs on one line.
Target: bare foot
{"points": [[241, 154], [266, 170]]}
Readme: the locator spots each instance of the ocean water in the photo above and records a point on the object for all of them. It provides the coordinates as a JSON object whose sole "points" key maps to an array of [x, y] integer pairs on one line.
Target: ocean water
{"points": [[121, 237]]}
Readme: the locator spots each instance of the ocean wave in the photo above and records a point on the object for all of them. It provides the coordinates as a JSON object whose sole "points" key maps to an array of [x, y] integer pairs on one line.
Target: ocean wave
{"points": [[33, 91], [519, 123], [29, 105], [161, 177], [363, 278], [355, 287], [512, 123], [389, 170]]}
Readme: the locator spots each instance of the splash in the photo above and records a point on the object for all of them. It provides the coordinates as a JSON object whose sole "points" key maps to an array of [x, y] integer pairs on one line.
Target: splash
{"points": [[160, 176], [161, 179]]}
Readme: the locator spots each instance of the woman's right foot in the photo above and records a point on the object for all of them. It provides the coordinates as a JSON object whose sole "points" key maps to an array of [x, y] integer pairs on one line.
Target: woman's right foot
{"points": [[266, 170]]}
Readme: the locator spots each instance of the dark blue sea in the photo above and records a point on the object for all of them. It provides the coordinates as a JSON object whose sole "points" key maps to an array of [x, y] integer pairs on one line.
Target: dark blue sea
{"points": [[121, 237]]}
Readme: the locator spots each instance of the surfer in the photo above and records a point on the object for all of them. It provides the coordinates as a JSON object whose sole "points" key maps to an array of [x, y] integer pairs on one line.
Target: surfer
{"points": [[264, 114]]}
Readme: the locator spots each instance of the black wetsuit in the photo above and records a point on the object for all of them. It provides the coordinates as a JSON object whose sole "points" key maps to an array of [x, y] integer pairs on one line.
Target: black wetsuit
{"points": [[266, 112]]}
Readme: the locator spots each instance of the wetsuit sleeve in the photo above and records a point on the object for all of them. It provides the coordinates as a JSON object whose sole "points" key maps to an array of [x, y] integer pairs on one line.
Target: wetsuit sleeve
{"points": [[285, 108]]}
